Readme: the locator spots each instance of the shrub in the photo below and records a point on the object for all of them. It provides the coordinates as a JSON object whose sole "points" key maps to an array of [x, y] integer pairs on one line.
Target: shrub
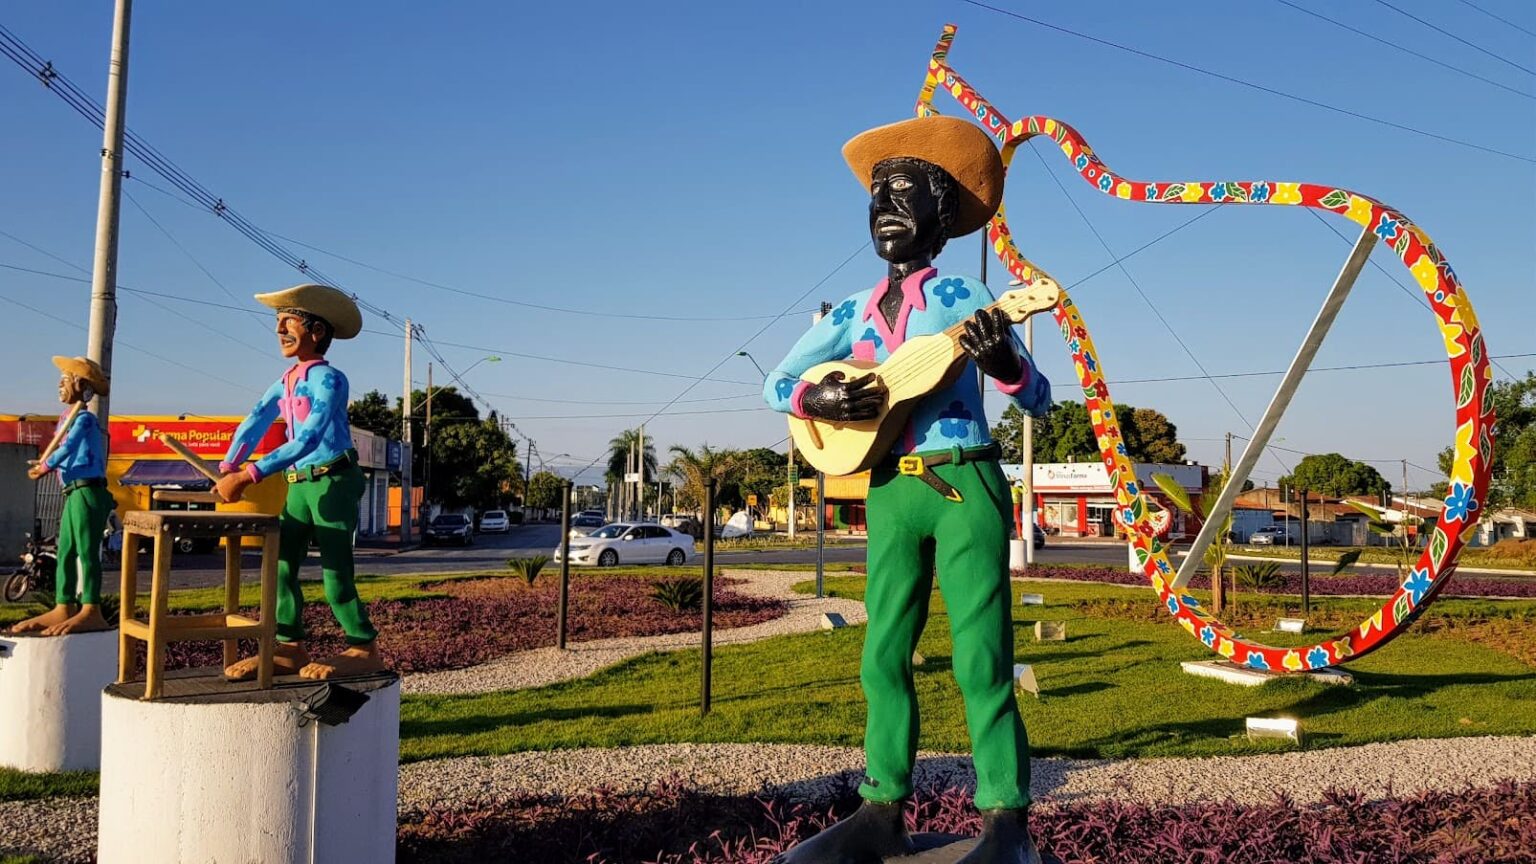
{"points": [[1260, 575], [684, 594], [528, 568]]}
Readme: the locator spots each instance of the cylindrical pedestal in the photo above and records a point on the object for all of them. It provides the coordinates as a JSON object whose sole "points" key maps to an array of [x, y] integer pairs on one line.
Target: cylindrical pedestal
{"points": [[50, 700], [246, 776], [1017, 557]]}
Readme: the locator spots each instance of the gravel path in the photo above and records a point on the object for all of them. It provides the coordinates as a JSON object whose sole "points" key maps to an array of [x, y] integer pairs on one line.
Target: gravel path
{"points": [[64, 830], [548, 665]]}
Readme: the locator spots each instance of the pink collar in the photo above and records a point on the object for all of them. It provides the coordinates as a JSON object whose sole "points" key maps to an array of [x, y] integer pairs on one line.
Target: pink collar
{"points": [[299, 372], [912, 297]]}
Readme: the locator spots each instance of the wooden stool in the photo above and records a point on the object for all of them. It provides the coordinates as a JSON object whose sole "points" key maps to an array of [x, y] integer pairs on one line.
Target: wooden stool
{"points": [[164, 526]]}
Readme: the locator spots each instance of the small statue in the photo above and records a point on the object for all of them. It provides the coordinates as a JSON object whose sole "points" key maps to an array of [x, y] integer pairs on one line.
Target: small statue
{"points": [[325, 482], [939, 498], [78, 453]]}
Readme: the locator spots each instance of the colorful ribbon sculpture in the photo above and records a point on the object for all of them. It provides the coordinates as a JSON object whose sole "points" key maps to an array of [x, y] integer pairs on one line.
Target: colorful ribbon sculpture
{"points": [[1471, 378]]}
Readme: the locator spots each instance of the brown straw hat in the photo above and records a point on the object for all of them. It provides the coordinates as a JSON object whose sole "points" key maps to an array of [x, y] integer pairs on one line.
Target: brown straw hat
{"points": [[86, 370], [321, 301], [958, 146]]}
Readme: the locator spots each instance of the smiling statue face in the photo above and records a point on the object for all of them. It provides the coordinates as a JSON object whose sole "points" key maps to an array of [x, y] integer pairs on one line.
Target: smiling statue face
{"points": [[903, 212], [71, 389], [295, 338]]}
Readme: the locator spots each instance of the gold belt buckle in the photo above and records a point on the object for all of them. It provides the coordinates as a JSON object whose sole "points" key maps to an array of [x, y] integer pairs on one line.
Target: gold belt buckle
{"points": [[912, 466]]}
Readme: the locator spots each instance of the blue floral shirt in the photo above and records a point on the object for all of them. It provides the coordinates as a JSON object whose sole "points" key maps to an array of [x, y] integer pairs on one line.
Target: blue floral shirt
{"points": [[82, 455], [856, 328], [312, 400]]}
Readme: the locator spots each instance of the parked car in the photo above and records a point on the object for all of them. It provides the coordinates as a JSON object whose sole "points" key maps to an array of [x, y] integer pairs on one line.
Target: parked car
{"points": [[449, 527], [1274, 535], [1039, 537], [494, 522], [585, 524], [631, 543], [598, 513]]}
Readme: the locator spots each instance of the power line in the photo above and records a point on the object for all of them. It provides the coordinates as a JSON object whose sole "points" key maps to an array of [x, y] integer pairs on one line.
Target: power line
{"points": [[1249, 84], [1497, 18], [1405, 50], [177, 243], [1527, 70], [1350, 368]]}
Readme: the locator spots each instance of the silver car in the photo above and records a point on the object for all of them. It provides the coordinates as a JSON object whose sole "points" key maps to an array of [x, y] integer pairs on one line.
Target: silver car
{"points": [[631, 543]]}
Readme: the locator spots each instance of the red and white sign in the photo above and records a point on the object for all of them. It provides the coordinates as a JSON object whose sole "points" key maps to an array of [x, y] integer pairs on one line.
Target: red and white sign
{"points": [[207, 438]]}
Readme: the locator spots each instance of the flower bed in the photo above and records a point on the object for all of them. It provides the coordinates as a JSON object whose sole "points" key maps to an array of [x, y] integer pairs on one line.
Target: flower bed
{"points": [[671, 825], [483, 619], [1369, 584]]}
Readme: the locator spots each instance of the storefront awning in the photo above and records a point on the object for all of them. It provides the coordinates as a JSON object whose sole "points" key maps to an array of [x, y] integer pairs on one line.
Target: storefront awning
{"points": [[164, 472]]}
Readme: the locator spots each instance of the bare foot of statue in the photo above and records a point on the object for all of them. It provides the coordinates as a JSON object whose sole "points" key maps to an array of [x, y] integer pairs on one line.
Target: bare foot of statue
{"points": [[88, 620], [53, 617], [356, 660], [287, 659]]}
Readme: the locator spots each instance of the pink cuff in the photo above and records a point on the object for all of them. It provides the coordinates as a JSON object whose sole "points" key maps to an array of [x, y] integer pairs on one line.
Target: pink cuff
{"points": [[795, 400], [1018, 386], [228, 467], [251, 472]]}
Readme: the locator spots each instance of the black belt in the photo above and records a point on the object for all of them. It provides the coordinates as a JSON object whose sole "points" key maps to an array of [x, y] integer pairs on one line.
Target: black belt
{"points": [[917, 465], [87, 483], [315, 472]]}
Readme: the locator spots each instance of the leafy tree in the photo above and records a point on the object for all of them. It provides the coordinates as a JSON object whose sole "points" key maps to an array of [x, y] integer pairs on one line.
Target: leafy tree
{"points": [[474, 464], [374, 413], [1514, 452], [1066, 434], [693, 468], [760, 472], [1149, 435], [544, 491], [1333, 474]]}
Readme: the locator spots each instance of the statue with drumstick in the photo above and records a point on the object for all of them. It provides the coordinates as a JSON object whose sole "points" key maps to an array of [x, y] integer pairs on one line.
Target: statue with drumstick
{"points": [[78, 454]]}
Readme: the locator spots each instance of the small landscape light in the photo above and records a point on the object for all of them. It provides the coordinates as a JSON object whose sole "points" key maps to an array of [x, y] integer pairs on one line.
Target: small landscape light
{"points": [[1050, 631], [832, 621], [1291, 625], [1273, 727], [1031, 599], [1024, 678]]}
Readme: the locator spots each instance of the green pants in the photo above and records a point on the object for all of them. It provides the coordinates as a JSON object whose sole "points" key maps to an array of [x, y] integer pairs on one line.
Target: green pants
{"points": [[324, 510], [912, 528], [81, 529]]}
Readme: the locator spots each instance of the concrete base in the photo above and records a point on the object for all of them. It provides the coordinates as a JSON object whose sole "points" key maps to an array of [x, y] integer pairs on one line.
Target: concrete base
{"points": [[221, 772], [50, 699], [1018, 559], [1231, 673]]}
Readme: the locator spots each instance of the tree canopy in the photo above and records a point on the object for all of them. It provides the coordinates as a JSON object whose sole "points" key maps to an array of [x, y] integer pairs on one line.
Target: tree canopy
{"points": [[1066, 434], [1336, 475], [1514, 451], [473, 461]]}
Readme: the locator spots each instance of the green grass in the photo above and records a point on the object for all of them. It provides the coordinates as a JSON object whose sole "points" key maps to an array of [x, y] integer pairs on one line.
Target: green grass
{"points": [[20, 859], [23, 786], [1114, 689], [1384, 556]]}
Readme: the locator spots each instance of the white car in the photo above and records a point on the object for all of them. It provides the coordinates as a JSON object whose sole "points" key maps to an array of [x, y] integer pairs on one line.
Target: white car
{"points": [[1271, 536], [495, 522], [631, 543]]}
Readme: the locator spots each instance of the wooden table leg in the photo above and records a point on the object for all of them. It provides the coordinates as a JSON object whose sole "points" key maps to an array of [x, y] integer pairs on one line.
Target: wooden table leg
{"points": [[128, 595], [159, 603], [268, 608], [231, 592]]}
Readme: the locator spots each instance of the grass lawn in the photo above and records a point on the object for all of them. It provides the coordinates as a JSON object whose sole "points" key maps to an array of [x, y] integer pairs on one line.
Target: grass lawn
{"points": [[22, 786], [1114, 689], [1379, 555]]}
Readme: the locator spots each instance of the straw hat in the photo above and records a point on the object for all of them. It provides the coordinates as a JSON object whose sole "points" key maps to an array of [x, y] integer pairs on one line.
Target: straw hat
{"points": [[86, 370], [958, 146], [321, 301]]}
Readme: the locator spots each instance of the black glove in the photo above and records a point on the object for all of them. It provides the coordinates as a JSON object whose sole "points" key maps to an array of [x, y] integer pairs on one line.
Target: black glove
{"points": [[839, 401], [989, 341]]}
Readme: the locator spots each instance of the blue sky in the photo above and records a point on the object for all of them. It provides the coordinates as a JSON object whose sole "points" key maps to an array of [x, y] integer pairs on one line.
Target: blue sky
{"points": [[682, 161]]}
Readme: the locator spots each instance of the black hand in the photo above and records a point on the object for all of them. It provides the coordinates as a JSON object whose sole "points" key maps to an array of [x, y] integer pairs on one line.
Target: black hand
{"points": [[840, 400], [988, 340]]}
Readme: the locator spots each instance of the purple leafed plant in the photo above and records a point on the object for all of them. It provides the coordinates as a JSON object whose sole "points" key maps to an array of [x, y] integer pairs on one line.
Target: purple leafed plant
{"points": [[1369, 584], [670, 824], [483, 619]]}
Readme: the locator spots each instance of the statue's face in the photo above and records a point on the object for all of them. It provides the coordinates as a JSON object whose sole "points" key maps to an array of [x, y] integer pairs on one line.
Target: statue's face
{"points": [[294, 337], [69, 389], [903, 212]]}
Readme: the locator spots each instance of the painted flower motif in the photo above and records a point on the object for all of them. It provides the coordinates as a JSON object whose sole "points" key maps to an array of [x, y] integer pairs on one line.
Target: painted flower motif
{"points": [[1074, 346], [1162, 564], [1150, 193], [1424, 272], [843, 313], [1081, 162], [785, 388], [1093, 365], [1459, 503], [955, 421], [1080, 332], [1189, 601], [1259, 193], [1173, 605], [871, 336], [1386, 229], [1123, 190], [1257, 661], [1101, 389], [1120, 448], [1287, 193], [1359, 209], [1193, 192], [1417, 585], [1219, 192], [950, 291], [1208, 635], [1130, 488], [1317, 658], [1106, 183]]}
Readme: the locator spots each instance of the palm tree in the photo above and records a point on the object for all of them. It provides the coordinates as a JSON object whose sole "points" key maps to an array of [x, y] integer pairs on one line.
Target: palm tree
{"points": [[693, 468], [620, 454]]}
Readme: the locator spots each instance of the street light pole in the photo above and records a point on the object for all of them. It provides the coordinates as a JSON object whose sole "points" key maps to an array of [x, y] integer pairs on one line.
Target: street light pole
{"points": [[103, 321]]}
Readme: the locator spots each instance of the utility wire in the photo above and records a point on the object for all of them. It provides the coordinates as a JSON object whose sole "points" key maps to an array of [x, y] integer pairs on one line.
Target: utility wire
{"points": [[1497, 18], [1351, 368], [1249, 84], [1397, 47], [177, 243], [1442, 31]]}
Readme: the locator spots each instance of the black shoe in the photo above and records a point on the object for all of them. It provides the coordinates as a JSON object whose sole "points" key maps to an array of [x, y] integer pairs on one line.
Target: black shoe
{"points": [[1004, 839], [874, 832]]}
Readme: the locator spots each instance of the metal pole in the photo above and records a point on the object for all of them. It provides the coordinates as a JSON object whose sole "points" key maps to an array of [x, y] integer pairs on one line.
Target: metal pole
{"points": [[709, 595], [821, 531], [1028, 456], [406, 501], [640, 470], [426, 443], [1306, 569], [565, 564], [103, 323], [793, 476], [1218, 513]]}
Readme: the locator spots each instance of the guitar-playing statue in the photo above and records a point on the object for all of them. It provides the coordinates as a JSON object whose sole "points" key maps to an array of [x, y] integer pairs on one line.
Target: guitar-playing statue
{"points": [[937, 497]]}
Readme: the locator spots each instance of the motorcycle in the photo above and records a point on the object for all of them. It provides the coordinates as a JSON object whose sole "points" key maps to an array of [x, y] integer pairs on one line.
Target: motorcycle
{"points": [[39, 561]]}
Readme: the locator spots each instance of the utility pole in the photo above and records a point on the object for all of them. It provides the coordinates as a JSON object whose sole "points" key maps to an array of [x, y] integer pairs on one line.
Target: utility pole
{"points": [[1403, 522], [794, 480], [103, 324], [1226, 464], [640, 481], [1306, 567], [426, 442], [405, 437]]}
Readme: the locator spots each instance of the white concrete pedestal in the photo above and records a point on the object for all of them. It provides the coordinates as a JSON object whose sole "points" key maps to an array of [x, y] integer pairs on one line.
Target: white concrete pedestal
{"points": [[1018, 559], [50, 699], [214, 772]]}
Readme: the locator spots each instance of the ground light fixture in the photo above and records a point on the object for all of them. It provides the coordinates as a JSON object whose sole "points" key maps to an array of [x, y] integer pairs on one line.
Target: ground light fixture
{"points": [[1291, 625], [1024, 679], [1031, 599], [1273, 727], [833, 621]]}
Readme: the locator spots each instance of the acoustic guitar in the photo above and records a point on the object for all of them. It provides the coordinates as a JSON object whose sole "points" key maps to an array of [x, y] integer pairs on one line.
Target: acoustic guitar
{"points": [[920, 366]]}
